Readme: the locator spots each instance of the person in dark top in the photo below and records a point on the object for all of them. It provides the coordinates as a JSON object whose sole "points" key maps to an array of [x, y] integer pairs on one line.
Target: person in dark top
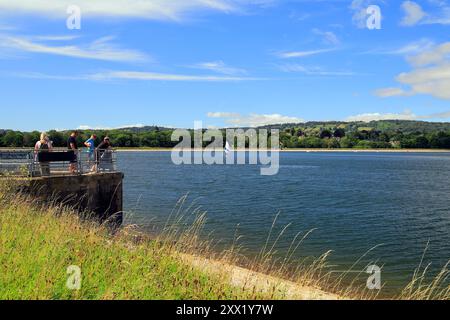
{"points": [[105, 144], [72, 145], [104, 155], [72, 141]]}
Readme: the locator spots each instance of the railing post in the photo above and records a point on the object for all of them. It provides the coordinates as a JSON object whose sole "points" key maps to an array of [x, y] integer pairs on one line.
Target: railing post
{"points": [[96, 160], [78, 154], [31, 164]]}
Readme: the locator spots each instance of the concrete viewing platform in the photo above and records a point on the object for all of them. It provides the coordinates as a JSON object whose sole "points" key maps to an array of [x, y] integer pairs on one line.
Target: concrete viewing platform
{"points": [[96, 187], [99, 193]]}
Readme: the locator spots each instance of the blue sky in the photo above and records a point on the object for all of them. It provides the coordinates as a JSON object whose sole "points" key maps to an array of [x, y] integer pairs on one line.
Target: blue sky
{"points": [[225, 62]]}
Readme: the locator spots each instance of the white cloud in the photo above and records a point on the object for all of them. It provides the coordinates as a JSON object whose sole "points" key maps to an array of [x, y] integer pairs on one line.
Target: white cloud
{"points": [[88, 127], [391, 92], [405, 115], [100, 49], [56, 38], [150, 76], [329, 37], [253, 119], [431, 76], [440, 115], [313, 71], [434, 80], [439, 13], [413, 13], [219, 67], [442, 18], [436, 55], [302, 54], [367, 117], [133, 75], [223, 115], [415, 47], [147, 9]]}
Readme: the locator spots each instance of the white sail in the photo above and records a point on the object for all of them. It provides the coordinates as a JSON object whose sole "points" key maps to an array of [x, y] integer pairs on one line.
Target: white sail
{"points": [[228, 148]]}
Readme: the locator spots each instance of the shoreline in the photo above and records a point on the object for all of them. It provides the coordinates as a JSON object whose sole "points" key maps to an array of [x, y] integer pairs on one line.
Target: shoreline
{"points": [[299, 150], [293, 150], [251, 280], [243, 277]]}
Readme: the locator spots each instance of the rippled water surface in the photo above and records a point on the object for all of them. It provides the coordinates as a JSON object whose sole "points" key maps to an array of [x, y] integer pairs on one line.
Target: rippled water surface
{"points": [[356, 201]]}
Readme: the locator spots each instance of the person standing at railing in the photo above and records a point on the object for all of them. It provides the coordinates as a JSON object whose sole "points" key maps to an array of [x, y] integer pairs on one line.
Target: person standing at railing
{"points": [[72, 145], [104, 155], [90, 144], [43, 145]]}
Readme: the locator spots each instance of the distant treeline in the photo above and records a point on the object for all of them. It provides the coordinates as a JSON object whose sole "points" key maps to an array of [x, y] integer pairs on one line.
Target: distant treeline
{"points": [[361, 135]]}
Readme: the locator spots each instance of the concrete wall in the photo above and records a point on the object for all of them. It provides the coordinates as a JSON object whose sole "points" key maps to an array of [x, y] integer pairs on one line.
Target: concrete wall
{"points": [[99, 193]]}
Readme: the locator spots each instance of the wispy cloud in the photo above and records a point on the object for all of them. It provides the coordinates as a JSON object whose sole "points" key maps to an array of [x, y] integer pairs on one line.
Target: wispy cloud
{"points": [[367, 117], [219, 67], [408, 49], [100, 49], [253, 119], [147, 9], [136, 76], [328, 37], [150, 76], [55, 38], [223, 115], [415, 47], [405, 115], [439, 115], [302, 54], [391, 92], [90, 127], [313, 71], [436, 55]]}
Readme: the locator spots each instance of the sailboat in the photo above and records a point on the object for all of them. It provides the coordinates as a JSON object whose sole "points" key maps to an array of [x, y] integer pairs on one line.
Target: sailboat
{"points": [[228, 148]]}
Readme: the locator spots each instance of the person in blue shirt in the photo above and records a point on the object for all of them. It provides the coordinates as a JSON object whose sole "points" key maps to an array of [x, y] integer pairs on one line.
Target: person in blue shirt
{"points": [[90, 143]]}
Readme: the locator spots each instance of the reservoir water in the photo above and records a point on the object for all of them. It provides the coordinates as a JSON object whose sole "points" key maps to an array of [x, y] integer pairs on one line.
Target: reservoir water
{"points": [[355, 201]]}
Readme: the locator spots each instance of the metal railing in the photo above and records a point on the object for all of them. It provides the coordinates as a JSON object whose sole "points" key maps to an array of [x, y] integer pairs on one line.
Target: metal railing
{"points": [[27, 162]]}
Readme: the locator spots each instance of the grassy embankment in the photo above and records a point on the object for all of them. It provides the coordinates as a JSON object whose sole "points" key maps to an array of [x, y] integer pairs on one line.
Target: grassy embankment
{"points": [[38, 243]]}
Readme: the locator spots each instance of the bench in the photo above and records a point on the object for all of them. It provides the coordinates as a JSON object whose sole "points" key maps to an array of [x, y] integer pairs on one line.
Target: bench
{"points": [[57, 156]]}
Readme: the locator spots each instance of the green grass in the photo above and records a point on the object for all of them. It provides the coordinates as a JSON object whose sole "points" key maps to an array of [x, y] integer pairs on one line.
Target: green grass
{"points": [[38, 244]]}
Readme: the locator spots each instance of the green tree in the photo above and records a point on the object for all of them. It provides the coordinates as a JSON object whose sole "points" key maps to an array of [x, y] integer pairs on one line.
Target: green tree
{"points": [[13, 139], [325, 134], [348, 142], [58, 138], [30, 138], [339, 133]]}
